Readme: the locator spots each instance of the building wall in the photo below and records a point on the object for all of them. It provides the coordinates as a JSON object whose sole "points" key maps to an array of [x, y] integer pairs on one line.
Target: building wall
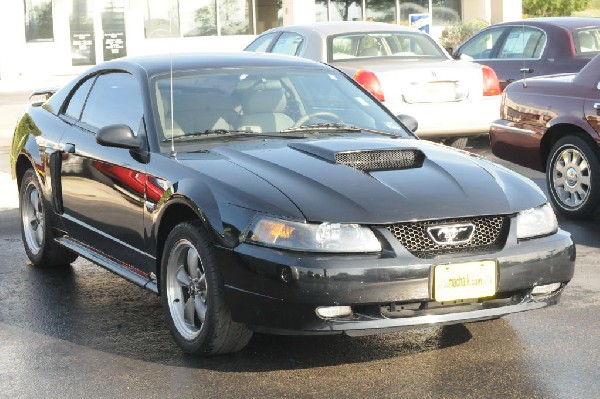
{"points": [[19, 58]]}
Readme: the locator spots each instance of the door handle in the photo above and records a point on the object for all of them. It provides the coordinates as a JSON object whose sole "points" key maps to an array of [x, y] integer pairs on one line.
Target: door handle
{"points": [[526, 70], [597, 105]]}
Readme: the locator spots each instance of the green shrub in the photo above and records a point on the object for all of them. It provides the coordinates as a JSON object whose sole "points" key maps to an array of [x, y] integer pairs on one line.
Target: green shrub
{"points": [[453, 36]]}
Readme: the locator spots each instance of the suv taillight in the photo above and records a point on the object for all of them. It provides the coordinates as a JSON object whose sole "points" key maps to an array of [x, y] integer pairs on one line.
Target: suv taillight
{"points": [[491, 84], [369, 81]]}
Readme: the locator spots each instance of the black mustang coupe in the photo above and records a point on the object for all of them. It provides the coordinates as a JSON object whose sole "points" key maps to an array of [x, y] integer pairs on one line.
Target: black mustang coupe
{"points": [[268, 193]]}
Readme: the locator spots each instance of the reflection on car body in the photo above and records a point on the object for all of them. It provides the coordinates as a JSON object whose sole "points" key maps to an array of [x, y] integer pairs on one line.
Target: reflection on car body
{"points": [[267, 193]]}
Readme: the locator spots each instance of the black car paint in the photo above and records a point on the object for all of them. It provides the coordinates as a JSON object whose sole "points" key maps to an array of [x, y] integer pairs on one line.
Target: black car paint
{"points": [[120, 226]]}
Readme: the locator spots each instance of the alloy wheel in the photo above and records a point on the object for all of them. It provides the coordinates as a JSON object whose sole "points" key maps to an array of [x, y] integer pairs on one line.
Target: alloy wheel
{"points": [[571, 177], [32, 216], [186, 289]]}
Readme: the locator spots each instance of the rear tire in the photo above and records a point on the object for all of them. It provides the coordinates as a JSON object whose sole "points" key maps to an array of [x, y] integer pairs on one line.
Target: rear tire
{"points": [[36, 230], [192, 295], [573, 177]]}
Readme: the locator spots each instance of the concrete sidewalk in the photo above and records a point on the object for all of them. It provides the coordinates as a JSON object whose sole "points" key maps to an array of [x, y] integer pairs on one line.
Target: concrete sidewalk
{"points": [[9, 199]]}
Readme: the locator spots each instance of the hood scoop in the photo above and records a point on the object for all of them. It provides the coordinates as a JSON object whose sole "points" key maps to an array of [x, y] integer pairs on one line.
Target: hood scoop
{"points": [[374, 160], [364, 159]]}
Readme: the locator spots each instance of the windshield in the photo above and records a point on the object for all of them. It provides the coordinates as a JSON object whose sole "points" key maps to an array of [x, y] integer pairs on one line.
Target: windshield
{"points": [[383, 44], [217, 104]]}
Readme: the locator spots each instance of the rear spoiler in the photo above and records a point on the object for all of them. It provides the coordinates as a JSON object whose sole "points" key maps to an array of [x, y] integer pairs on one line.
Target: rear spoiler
{"points": [[47, 93]]}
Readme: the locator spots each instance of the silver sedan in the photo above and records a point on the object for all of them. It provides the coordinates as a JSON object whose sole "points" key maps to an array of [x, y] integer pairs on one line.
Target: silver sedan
{"points": [[404, 68]]}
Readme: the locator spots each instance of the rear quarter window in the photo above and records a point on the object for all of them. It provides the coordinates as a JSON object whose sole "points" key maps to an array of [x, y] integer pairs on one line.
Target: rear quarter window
{"points": [[587, 41]]}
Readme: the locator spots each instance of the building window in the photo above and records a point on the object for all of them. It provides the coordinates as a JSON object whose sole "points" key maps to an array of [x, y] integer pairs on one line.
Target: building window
{"points": [[345, 10], [38, 21], [235, 17], [215, 17], [446, 12], [381, 11], [161, 19], [198, 17], [269, 14]]}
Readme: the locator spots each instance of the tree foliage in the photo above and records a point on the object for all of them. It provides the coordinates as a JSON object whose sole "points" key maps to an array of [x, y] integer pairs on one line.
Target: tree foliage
{"points": [[454, 36], [553, 8]]}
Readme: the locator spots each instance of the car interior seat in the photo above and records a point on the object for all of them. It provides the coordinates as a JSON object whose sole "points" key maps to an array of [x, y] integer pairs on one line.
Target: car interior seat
{"points": [[204, 110], [263, 109], [586, 42]]}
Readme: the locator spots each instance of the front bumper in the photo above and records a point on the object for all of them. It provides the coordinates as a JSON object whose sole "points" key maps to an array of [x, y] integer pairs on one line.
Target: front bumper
{"points": [[450, 119], [387, 292]]}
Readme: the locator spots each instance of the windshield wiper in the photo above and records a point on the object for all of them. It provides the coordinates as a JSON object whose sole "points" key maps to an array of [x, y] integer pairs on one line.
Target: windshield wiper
{"points": [[225, 132], [336, 127], [324, 126]]}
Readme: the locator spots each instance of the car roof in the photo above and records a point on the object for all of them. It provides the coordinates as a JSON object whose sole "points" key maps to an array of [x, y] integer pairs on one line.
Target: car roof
{"points": [[569, 23], [154, 64], [334, 28]]}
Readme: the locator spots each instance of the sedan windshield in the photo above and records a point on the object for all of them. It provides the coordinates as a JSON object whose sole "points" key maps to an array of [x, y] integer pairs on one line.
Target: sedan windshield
{"points": [[245, 103], [383, 44]]}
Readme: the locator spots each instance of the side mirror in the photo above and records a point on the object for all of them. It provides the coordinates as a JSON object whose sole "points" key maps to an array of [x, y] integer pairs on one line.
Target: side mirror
{"points": [[410, 122], [120, 136]]}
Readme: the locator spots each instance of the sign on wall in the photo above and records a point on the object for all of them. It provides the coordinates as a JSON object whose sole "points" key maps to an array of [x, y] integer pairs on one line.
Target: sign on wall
{"points": [[83, 51]]}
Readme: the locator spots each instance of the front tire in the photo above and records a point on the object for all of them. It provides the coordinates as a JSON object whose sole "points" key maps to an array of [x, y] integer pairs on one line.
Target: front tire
{"points": [[572, 176], [192, 295], [36, 230]]}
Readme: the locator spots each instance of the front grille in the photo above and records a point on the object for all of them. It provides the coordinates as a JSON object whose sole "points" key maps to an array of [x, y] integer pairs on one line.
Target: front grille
{"points": [[490, 234], [381, 159]]}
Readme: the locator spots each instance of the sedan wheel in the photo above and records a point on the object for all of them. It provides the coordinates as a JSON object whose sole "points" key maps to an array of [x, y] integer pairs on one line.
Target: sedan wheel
{"points": [[192, 295], [36, 230], [571, 177]]}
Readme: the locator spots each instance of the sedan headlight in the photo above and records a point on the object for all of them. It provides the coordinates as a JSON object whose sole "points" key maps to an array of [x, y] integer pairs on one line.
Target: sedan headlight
{"points": [[536, 222], [324, 237]]}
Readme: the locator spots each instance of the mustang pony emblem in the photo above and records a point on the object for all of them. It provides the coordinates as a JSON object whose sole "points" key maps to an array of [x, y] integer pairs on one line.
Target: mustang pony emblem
{"points": [[451, 234]]}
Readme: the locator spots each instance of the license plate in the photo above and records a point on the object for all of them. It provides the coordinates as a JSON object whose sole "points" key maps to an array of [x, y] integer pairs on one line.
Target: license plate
{"points": [[432, 92], [466, 280]]}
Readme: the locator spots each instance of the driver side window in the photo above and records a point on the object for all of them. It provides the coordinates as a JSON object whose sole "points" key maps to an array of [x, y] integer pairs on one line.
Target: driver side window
{"points": [[114, 99]]}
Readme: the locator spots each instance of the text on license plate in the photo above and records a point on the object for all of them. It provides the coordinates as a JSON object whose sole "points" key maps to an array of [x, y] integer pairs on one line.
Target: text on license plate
{"points": [[464, 280]]}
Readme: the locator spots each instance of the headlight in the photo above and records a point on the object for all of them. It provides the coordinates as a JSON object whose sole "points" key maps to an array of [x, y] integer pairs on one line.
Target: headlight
{"points": [[536, 222], [324, 237]]}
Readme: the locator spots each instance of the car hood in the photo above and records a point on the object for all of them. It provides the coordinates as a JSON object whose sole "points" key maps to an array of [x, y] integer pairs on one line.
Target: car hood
{"points": [[443, 183]]}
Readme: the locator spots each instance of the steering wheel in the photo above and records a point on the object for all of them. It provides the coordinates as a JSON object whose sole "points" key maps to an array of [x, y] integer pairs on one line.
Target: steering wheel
{"points": [[319, 114]]}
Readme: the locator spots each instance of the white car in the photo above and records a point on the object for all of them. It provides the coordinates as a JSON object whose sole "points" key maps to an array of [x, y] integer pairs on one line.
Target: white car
{"points": [[404, 68]]}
